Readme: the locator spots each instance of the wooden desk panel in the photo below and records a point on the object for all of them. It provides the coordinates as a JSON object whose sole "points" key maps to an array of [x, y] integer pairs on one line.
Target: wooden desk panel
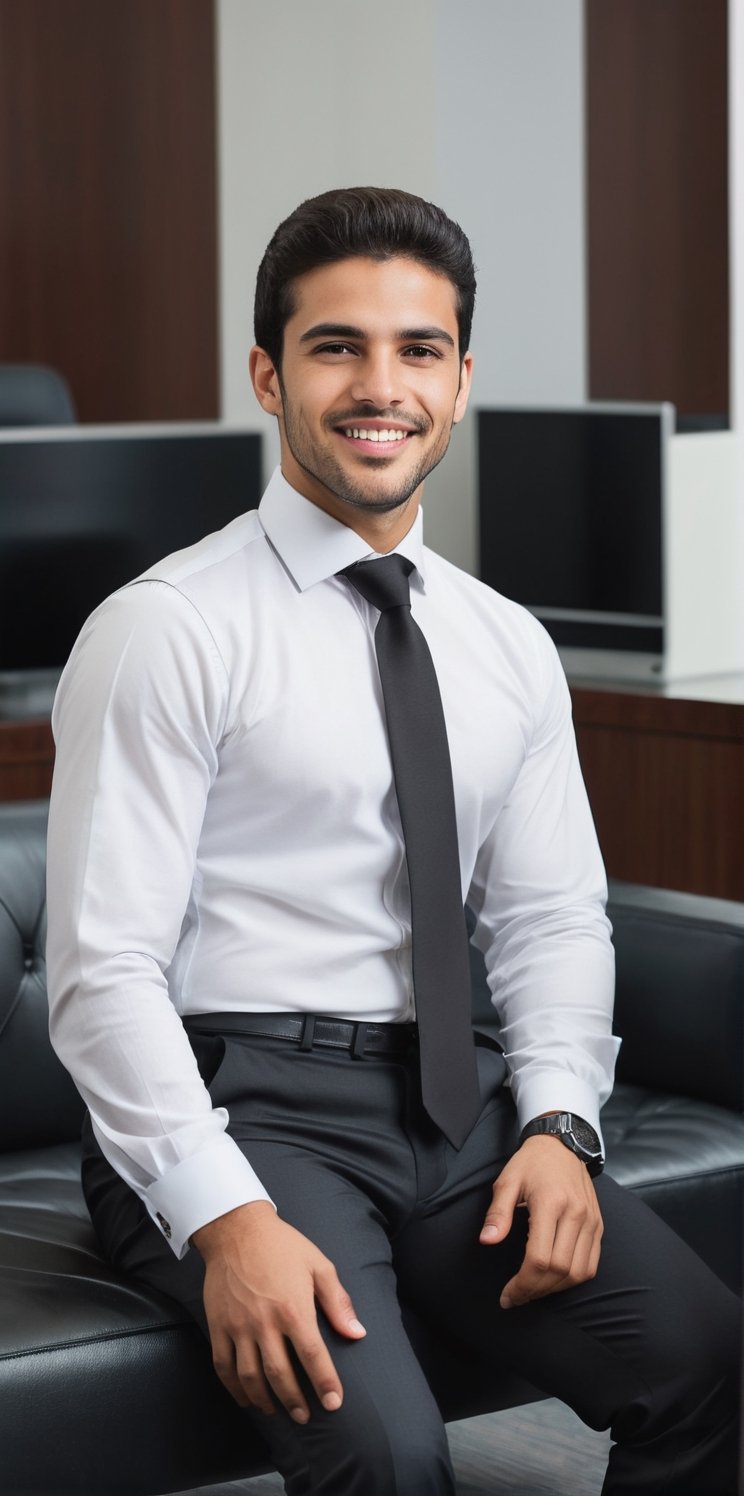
{"points": [[26, 759], [665, 777]]}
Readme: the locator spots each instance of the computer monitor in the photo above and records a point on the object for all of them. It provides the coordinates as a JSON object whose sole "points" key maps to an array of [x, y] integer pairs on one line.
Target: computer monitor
{"points": [[85, 509], [572, 511]]}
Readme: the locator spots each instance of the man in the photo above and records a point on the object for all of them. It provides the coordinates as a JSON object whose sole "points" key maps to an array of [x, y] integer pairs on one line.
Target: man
{"points": [[235, 948]]}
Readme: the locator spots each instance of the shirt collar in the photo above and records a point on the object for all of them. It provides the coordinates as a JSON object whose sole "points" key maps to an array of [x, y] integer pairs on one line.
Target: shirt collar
{"points": [[313, 545]]}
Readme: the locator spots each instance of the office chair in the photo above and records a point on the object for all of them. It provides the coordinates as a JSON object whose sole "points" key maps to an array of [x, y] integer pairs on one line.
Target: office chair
{"points": [[31, 395]]}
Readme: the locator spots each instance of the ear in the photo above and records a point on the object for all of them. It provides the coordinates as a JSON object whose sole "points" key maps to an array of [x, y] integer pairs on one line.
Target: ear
{"points": [[466, 375], [265, 380]]}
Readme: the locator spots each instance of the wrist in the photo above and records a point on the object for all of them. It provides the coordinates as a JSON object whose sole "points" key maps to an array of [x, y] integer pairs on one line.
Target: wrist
{"points": [[212, 1236], [573, 1132]]}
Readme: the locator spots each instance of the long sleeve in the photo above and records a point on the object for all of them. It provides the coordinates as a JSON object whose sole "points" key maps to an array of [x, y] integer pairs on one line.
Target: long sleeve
{"points": [[137, 721], [538, 893]]}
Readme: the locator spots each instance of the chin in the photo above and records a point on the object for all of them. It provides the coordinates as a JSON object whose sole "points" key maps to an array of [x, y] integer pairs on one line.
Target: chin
{"points": [[378, 503]]}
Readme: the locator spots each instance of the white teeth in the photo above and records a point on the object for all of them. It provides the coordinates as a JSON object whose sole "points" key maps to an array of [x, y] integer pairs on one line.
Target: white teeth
{"points": [[360, 433]]}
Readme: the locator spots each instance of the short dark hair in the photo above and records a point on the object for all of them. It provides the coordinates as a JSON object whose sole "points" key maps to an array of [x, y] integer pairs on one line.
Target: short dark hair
{"points": [[374, 222]]}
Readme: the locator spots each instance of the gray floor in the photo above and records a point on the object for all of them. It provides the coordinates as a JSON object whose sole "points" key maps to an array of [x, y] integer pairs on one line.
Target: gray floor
{"points": [[540, 1450]]}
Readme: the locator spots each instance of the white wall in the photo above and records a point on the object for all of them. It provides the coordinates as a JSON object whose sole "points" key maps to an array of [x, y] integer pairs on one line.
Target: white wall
{"points": [[736, 210], [736, 281], [476, 104]]}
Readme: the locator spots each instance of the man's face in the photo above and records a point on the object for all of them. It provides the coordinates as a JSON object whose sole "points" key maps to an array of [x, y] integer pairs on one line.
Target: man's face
{"points": [[371, 384]]}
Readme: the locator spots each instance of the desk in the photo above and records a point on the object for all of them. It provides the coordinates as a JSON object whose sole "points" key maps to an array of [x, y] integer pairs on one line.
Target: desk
{"points": [[664, 769], [26, 758]]}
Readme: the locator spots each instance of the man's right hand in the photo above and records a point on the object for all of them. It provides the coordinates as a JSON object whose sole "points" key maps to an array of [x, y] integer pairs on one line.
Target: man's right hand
{"points": [[262, 1282]]}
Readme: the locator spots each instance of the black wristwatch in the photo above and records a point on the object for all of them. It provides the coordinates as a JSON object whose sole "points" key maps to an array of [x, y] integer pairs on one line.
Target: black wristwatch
{"points": [[574, 1132]]}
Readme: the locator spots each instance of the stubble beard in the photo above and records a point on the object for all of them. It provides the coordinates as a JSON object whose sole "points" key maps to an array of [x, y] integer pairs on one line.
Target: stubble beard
{"points": [[327, 471]]}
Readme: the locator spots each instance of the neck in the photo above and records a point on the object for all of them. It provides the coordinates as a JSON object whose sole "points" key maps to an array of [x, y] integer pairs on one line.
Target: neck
{"points": [[381, 531]]}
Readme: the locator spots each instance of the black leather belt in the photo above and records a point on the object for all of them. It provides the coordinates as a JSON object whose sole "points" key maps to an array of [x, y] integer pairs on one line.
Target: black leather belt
{"points": [[308, 1031]]}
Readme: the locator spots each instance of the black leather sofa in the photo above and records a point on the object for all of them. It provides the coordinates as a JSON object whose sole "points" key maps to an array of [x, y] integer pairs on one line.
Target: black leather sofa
{"points": [[100, 1381]]}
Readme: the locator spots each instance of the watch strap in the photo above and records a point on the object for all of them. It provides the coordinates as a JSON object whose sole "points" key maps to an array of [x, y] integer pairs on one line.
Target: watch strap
{"points": [[574, 1132]]}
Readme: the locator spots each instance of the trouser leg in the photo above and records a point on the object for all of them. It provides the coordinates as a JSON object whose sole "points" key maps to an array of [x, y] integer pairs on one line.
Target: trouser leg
{"points": [[649, 1349], [388, 1438]]}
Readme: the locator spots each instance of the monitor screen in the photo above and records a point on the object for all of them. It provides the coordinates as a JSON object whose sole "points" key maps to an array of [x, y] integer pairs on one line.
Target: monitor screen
{"points": [[571, 514], [86, 509]]}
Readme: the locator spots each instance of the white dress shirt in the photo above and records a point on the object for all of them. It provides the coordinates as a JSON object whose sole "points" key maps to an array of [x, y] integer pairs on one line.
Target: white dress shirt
{"points": [[224, 835]]}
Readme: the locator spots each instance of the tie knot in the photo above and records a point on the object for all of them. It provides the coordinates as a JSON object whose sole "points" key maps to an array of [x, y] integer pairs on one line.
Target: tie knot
{"points": [[383, 583]]}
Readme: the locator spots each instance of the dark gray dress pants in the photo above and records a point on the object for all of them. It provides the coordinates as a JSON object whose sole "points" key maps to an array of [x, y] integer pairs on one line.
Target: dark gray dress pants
{"points": [[649, 1349]]}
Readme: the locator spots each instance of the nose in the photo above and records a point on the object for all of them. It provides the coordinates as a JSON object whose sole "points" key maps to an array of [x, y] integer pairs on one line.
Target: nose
{"points": [[377, 380]]}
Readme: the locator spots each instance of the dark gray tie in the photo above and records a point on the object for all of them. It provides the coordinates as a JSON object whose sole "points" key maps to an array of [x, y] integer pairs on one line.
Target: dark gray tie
{"points": [[423, 784]]}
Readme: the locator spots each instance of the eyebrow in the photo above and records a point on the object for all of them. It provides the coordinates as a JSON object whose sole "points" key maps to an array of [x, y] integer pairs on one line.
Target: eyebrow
{"points": [[406, 335]]}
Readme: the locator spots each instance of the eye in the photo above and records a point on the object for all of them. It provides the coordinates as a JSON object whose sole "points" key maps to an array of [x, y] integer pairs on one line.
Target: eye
{"points": [[420, 352], [334, 349]]}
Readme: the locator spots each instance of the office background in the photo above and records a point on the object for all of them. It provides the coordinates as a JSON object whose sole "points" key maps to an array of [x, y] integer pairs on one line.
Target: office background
{"points": [[589, 148], [593, 150]]}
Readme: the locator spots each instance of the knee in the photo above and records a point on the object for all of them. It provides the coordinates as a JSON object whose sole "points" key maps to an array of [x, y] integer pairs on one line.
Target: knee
{"points": [[363, 1450], [422, 1462], [390, 1456], [694, 1371], [709, 1356]]}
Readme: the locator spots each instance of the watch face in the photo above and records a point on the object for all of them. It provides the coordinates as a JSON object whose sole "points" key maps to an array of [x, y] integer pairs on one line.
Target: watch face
{"points": [[585, 1135], [575, 1133]]}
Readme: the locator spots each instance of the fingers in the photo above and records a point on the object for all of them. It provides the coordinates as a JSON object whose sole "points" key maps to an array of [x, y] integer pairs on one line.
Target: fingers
{"points": [[258, 1369], [336, 1303], [571, 1258], [499, 1217], [563, 1249], [257, 1366], [261, 1285], [315, 1359], [278, 1372], [565, 1224], [223, 1360]]}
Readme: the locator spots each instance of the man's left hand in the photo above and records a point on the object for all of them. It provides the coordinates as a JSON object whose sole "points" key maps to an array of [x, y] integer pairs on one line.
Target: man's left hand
{"points": [[565, 1224]]}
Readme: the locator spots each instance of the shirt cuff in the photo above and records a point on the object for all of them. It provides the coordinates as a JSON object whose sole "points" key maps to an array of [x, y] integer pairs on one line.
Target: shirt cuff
{"points": [[558, 1091], [201, 1188]]}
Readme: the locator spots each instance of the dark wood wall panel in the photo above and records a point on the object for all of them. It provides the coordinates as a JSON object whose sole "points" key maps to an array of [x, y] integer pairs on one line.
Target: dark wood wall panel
{"points": [[657, 181], [108, 189]]}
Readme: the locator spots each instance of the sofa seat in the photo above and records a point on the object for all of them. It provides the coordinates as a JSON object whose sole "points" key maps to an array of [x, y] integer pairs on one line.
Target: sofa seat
{"points": [[686, 1159], [106, 1387]]}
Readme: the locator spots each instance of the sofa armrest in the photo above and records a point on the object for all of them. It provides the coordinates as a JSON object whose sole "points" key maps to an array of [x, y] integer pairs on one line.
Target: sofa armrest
{"points": [[38, 1101], [680, 992]]}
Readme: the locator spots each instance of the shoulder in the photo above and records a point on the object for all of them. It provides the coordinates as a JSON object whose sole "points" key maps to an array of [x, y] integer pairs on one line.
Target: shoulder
{"points": [[188, 596], [501, 649], [171, 622], [494, 620], [213, 560]]}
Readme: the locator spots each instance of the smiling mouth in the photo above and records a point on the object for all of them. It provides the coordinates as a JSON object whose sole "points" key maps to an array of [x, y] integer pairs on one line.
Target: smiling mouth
{"points": [[370, 434], [382, 438]]}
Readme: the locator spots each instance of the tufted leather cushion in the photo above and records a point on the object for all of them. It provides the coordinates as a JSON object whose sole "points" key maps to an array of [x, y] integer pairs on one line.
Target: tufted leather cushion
{"points": [[680, 992], [39, 1104]]}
